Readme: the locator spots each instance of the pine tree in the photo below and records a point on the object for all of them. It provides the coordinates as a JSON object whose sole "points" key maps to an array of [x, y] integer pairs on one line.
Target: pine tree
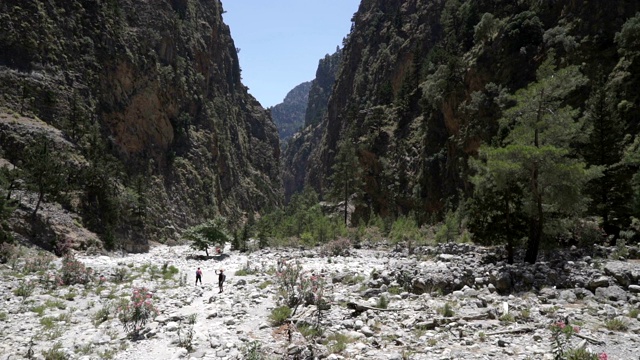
{"points": [[536, 154], [346, 178], [46, 171], [611, 193]]}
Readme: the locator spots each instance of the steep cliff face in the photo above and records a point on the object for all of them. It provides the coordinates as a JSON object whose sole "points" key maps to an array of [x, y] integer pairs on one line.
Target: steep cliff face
{"points": [[289, 115], [295, 158], [157, 85], [419, 86]]}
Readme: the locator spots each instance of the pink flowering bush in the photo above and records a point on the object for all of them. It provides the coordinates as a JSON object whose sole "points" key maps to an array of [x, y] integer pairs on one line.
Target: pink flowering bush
{"points": [[561, 334], [298, 287], [135, 314], [73, 271]]}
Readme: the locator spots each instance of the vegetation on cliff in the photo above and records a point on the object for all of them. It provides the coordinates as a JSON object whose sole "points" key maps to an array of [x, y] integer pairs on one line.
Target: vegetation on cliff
{"points": [[145, 104]]}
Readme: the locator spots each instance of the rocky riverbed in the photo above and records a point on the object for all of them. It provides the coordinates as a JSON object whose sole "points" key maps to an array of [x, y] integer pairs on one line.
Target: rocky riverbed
{"points": [[449, 302]]}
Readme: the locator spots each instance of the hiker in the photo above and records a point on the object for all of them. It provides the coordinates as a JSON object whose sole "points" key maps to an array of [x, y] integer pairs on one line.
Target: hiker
{"points": [[198, 276], [221, 278]]}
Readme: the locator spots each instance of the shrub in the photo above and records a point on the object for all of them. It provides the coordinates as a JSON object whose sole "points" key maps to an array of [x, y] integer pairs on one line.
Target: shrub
{"points": [[616, 324], [168, 271], [102, 315], [338, 247], [37, 263], [279, 315], [24, 290], [8, 253], [73, 271], [446, 310], [383, 302], [55, 353], [185, 337], [337, 342], [120, 274], [139, 310], [253, 351], [561, 335]]}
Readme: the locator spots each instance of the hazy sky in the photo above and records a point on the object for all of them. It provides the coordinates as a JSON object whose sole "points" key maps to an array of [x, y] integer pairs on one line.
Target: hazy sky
{"points": [[281, 41]]}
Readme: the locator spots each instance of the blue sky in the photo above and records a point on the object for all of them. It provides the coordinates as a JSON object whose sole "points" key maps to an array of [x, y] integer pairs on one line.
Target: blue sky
{"points": [[281, 41]]}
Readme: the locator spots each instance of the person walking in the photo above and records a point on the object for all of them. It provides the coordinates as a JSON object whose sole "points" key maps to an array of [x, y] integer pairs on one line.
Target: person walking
{"points": [[198, 276], [221, 278]]}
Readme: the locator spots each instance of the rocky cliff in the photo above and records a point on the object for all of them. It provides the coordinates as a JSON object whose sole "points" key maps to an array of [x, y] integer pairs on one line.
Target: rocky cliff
{"points": [[295, 158], [289, 114], [149, 99], [420, 83]]}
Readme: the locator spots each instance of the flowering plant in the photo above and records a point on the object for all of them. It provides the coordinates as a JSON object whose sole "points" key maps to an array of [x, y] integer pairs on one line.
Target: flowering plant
{"points": [[73, 272], [138, 311], [299, 287], [561, 334]]}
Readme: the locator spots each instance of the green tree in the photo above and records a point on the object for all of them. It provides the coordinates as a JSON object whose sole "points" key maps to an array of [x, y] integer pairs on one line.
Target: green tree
{"points": [[6, 204], [208, 234], [346, 174], [46, 170], [536, 153], [610, 193]]}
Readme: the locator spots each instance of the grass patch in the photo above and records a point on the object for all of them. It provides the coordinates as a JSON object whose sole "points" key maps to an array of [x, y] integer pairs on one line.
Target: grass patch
{"points": [[265, 284], [337, 342], [279, 315], [633, 313], [507, 318], [446, 310], [3, 316], [383, 302], [309, 331], [616, 324], [395, 290], [55, 353], [39, 309]]}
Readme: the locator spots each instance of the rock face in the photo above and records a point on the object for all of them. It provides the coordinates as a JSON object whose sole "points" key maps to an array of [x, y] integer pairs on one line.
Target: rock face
{"points": [[295, 158], [289, 115], [156, 86], [420, 81]]}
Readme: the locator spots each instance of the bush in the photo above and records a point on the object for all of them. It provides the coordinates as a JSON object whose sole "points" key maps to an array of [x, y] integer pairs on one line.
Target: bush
{"points": [[338, 247], [135, 315], [24, 290], [253, 351], [73, 271], [55, 353], [616, 324], [383, 302], [446, 310]]}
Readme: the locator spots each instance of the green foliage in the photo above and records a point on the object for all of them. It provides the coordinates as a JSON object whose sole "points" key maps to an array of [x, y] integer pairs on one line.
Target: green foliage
{"points": [[302, 219], [24, 290], [337, 342], [46, 170], [280, 315], [449, 230], [405, 231], [616, 324], [135, 313], [383, 302], [74, 272], [346, 179], [7, 206], [446, 310], [253, 351], [487, 29], [536, 158], [55, 353], [209, 234]]}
